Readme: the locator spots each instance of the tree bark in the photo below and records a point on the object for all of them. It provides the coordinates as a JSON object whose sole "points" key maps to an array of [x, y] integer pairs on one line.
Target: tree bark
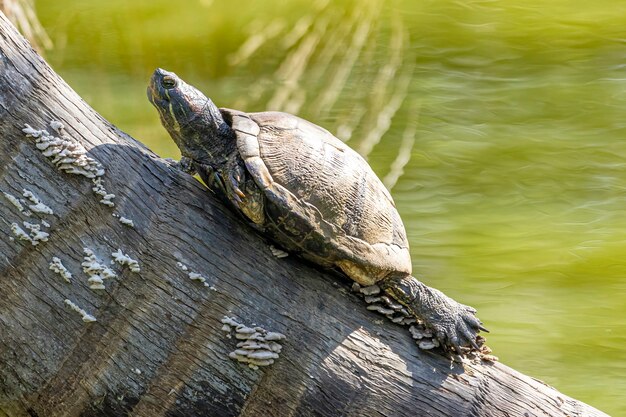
{"points": [[157, 348]]}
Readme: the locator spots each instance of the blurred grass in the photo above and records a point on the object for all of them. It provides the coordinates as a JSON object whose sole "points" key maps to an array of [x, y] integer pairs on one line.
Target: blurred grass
{"points": [[22, 14], [511, 179]]}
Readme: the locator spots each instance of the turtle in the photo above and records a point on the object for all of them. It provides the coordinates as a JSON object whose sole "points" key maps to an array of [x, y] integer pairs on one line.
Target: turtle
{"points": [[309, 193]]}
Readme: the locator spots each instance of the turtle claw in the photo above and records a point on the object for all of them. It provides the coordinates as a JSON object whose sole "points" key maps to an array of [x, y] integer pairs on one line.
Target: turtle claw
{"points": [[234, 182], [454, 341], [471, 338], [466, 328], [239, 192], [474, 322], [237, 199], [474, 344], [457, 332]]}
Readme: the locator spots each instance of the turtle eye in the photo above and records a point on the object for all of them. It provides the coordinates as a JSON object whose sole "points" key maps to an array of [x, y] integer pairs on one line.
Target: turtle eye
{"points": [[168, 82]]}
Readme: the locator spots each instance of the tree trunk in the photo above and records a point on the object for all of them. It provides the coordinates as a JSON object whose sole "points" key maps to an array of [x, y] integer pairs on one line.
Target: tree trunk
{"points": [[157, 347]]}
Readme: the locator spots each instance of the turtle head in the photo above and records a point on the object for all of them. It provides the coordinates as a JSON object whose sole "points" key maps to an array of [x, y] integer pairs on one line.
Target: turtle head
{"points": [[190, 117]]}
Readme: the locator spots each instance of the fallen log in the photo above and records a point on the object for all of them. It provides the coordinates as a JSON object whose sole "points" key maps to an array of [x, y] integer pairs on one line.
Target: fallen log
{"points": [[157, 347]]}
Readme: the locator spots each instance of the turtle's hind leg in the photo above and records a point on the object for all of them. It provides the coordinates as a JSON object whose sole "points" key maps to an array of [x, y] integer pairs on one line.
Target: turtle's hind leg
{"points": [[454, 324]]}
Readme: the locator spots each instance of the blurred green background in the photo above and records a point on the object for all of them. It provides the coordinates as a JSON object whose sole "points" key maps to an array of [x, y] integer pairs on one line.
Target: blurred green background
{"points": [[499, 126]]}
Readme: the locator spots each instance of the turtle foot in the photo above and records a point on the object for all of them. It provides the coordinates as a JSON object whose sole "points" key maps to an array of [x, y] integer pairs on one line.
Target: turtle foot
{"points": [[455, 325]]}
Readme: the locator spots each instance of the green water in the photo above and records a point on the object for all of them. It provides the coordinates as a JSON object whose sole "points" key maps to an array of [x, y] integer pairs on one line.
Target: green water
{"points": [[499, 126]]}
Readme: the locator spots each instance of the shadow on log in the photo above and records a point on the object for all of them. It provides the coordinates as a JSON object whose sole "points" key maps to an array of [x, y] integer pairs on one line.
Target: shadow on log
{"points": [[157, 348]]}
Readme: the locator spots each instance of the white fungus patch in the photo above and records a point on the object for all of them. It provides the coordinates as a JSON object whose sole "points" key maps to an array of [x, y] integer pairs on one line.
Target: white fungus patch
{"points": [[30, 232], [34, 235], [67, 154], [127, 222], [19, 232], [87, 318], [99, 190], [95, 270], [424, 337], [16, 202], [278, 253], [194, 276], [58, 127], [258, 347], [378, 301], [37, 206], [123, 259], [57, 266]]}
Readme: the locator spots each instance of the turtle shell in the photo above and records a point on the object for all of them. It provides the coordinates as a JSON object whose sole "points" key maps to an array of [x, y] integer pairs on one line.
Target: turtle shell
{"points": [[323, 199]]}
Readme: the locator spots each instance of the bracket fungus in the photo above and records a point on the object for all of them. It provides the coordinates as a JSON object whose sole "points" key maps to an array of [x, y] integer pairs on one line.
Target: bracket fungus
{"points": [[127, 222], [34, 236], [123, 259], [95, 270], [98, 189], [278, 253], [57, 266], [37, 206], [397, 313], [194, 276], [67, 154], [87, 318], [17, 203], [19, 232], [258, 347]]}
